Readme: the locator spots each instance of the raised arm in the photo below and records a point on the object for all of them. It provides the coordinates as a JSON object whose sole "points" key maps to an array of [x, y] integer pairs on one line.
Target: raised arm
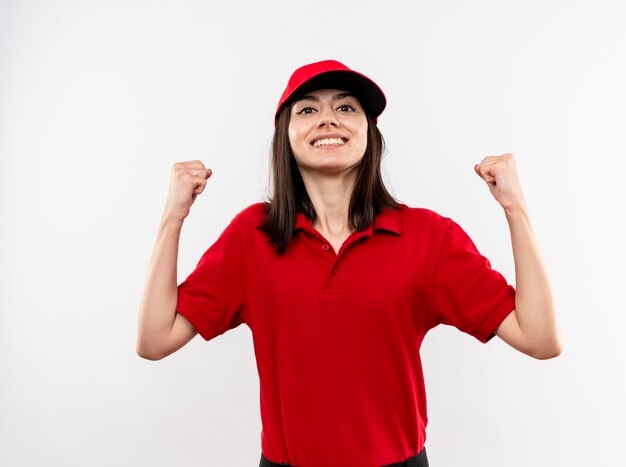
{"points": [[532, 327], [161, 331]]}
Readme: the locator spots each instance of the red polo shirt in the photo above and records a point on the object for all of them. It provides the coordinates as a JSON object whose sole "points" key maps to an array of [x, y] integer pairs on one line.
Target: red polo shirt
{"points": [[337, 335]]}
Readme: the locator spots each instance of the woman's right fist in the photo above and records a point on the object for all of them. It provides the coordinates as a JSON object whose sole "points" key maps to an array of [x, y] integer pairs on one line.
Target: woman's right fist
{"points": [[187, 181]]}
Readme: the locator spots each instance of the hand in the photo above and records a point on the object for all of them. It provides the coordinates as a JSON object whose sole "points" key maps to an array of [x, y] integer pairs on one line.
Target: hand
{"points": [[187, 181], [500, 174]]}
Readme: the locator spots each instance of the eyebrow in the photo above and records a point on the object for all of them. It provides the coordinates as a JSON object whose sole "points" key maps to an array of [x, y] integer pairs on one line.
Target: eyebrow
{"points": [[336, 97]]}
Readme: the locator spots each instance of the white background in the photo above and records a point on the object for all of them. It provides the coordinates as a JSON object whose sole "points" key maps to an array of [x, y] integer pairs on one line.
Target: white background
{"points": [[99, 99]]}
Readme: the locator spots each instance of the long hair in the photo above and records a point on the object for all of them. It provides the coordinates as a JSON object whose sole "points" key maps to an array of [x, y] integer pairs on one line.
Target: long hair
{"points": [[369, 196]]}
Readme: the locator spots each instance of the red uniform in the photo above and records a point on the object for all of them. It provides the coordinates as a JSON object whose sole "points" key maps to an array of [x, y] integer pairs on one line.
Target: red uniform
{"points": [[337, 335]]}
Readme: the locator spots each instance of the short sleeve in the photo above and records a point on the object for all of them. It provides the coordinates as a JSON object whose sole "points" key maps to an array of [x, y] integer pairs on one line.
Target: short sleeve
{"points": [[211, 297], [469, 294]]}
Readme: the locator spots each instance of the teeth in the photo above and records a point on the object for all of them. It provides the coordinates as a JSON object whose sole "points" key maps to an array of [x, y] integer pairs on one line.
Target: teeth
{"points": [[326, 141]]}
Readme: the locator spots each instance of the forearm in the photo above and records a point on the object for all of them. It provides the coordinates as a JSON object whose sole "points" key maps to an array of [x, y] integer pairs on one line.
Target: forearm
{"points": [[534, 304], [157, 310]]}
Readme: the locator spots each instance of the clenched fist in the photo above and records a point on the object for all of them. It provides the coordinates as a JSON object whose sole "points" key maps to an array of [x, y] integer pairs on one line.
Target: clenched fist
{"points": [[500, 174], [187, 181]]}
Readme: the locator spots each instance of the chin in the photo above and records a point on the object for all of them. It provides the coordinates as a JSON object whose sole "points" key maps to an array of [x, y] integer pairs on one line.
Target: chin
{"points": [[331, 167]]}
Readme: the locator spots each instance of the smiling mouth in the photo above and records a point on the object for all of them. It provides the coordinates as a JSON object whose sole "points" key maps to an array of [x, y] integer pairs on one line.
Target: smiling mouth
{"points": [[329, 142]]}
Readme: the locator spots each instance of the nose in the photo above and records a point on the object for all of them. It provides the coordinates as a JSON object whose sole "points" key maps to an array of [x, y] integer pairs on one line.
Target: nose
{"points": [[327, 118]]}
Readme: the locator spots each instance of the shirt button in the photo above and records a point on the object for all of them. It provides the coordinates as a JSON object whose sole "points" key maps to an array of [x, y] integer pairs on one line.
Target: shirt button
{"points": [[325, 247], [334, 271]]}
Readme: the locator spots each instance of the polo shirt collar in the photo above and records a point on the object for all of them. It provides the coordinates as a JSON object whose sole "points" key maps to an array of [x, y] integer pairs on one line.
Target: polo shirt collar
{"points": [[388, 220]]}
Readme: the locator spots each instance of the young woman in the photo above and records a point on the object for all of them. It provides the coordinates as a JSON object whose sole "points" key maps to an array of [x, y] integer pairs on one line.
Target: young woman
{"points": [[339, 283]]}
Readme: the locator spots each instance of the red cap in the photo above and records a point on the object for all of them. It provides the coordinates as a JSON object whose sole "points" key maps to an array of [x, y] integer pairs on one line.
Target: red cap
{"points": [[330, 74]]}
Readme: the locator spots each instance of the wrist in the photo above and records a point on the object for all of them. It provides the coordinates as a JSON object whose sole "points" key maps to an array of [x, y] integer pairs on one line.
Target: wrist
{"points": [[517, 214], [171, 222]]}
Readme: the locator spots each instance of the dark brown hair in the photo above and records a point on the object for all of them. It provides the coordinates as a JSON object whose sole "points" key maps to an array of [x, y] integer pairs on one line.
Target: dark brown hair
{"points": [[289, 197]]}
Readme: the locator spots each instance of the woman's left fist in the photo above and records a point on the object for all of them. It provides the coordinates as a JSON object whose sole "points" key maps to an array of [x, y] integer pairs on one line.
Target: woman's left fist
{"points": [[500, 174]]}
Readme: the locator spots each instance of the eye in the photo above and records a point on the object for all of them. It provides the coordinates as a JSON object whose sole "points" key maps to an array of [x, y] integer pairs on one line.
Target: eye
{"points": [[346, 108], [305, 111]]}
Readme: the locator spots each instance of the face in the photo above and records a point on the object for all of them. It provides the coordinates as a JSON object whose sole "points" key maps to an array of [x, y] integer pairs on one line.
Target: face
{"points": [[328, 131]]}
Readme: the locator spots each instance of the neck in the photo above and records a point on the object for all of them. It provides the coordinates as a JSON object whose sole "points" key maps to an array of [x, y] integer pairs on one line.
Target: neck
{"points": [[330, 195]]}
